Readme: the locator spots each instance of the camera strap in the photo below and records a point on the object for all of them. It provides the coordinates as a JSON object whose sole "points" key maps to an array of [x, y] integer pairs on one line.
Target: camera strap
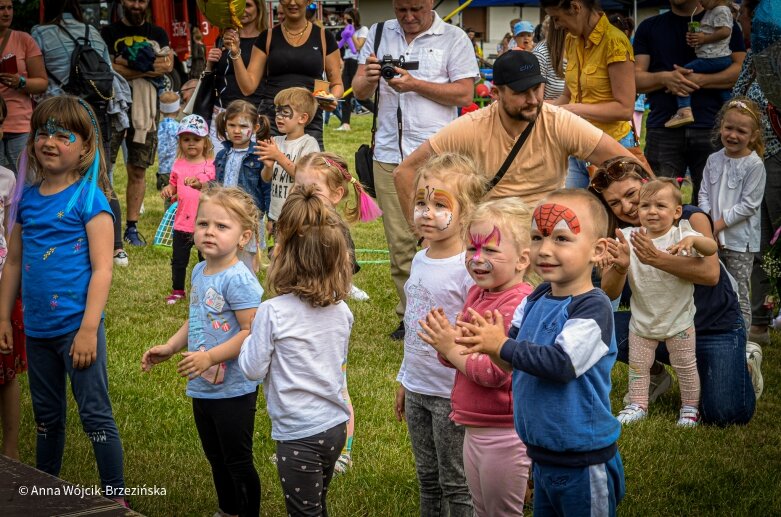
{"points": [[377, 38], [510, 157]]}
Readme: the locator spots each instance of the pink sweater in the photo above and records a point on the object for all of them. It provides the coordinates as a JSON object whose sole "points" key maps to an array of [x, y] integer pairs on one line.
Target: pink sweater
{"points": [[483, 396], [184, 220]]}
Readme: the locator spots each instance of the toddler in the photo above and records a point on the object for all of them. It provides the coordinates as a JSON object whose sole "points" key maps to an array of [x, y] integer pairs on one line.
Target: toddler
{"points": [[167, 142]]}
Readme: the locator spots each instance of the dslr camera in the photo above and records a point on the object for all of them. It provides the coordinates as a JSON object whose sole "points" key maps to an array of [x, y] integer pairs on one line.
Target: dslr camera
{"points": [[387, 65]]}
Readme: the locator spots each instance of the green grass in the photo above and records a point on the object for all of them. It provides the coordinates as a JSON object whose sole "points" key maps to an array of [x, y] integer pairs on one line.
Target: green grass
{"points": [[704, 471]]}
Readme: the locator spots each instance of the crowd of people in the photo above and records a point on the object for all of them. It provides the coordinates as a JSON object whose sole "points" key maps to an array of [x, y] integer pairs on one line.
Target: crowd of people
{"points": [[532, 244]]}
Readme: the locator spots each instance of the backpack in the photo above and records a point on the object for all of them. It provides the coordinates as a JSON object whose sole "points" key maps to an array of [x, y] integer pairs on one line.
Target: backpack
{"points": [[91, 77]]}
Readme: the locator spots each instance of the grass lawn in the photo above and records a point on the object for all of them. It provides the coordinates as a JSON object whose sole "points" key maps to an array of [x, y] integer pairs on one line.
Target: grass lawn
{"points": [[669, 471]]}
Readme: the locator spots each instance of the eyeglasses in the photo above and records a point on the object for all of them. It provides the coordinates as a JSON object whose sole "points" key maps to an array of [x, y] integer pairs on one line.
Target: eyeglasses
{"points": [[615, 171]]}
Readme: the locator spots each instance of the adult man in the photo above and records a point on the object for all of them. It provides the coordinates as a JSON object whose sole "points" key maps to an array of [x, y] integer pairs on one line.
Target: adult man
{"points": [[660, 52], [488, 135], [413, 105], [135, 46]]}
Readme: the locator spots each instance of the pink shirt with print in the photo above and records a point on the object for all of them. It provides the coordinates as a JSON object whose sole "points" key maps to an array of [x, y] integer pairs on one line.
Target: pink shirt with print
{"points": [[184, 220]]}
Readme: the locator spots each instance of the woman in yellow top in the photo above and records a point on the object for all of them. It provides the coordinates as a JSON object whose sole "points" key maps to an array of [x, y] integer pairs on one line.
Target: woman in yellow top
{"points": [[600, 74]]}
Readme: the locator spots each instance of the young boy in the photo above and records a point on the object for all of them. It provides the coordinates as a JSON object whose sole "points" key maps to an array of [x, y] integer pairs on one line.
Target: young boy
{"points": [[523, 32], [295, 108], [167, 142], [561, 350]]}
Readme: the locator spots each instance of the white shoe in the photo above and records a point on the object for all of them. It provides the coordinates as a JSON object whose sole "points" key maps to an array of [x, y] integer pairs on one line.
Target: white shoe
{"points": [[631, 413], [358, 294], [754, 360], [688, 417], [343, 127], [121, 259], [660, 383]]}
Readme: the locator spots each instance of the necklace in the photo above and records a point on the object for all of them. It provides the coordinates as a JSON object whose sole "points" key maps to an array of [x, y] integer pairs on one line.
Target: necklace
{"points": [[296, 35]]}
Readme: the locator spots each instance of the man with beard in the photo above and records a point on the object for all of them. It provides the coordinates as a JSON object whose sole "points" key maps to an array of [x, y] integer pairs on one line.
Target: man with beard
{"points": [[138, 55], [488, 135]]}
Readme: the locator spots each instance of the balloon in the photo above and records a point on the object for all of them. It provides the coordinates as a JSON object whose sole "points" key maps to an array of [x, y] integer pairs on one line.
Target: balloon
{"points": [[347, 38], [223, 14], [482, 90]]}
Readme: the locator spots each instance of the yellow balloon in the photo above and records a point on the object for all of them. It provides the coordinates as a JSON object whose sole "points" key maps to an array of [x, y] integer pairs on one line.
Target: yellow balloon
{"points": [[223, 13]]}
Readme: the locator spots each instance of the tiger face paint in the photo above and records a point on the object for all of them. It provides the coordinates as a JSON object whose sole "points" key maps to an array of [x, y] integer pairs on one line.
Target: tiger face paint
{"points": [[434, 206]]}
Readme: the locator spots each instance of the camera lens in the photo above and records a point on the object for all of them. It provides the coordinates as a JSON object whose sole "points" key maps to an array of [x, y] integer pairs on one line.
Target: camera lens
{"points": [[387, 71]]}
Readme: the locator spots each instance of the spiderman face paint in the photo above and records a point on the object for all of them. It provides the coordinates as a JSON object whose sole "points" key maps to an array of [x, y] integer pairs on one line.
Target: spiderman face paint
{"points": [[433, 206], [551, 216]]}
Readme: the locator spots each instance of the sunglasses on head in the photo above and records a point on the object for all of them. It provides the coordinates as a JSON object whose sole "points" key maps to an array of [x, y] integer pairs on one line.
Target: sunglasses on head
{"points": [[616, 171]]}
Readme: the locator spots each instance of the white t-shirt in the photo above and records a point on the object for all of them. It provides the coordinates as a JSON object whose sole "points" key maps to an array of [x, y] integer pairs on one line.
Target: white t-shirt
{"points": [[719, 16], [445, 55], [281, 181], [432, 283], [360, 33], [662, 304], [297, 350]]}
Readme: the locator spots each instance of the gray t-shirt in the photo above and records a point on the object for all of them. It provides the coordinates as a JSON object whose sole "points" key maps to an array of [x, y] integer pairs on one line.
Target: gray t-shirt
{"points": [[281, 181]]}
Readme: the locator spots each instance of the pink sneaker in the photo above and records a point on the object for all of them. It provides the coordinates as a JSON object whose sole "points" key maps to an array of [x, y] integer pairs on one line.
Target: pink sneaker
{"points": [[174, 297]]}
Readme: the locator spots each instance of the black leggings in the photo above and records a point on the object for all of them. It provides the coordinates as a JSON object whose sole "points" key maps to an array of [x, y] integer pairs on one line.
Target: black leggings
{"points": [[180, 258], [104, 121], [306, 467], [348, 72], [226, 427]]}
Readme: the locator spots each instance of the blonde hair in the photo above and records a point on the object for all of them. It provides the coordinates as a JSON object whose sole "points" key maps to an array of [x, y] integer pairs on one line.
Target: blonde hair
{"points": [[458, 171], [748, 107], [596, 210], [241, 208], [311, 257], [75, 115], [242, 107], [334, 169], [300, 99], [657, 185], [208, 149]]}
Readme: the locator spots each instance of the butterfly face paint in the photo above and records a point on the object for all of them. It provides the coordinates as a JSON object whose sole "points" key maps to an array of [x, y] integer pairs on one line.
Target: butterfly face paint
{"points": [[434, 203], [551, 216], [477, 242], [284, 112], [52, 129]]}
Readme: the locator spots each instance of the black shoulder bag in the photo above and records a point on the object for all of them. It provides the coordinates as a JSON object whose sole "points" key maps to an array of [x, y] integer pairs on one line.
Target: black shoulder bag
{"points": [[510, 157], [365, 154]]}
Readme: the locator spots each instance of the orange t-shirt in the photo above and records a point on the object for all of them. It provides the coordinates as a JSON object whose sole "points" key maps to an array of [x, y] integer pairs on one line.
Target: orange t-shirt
{"points": [[19, 103]]}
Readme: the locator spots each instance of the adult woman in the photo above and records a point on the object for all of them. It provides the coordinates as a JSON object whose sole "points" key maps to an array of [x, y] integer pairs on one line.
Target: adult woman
{"points": [[26, 76], [550, 53], [727, 395], [294, 53], [600, 74], [358, 37]]}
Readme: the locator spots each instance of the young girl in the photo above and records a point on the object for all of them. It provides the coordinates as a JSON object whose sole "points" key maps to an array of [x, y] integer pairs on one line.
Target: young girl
{"points": [[662, 304], [191, 171], [224, 296], [446, 191], [497, 257], [61, 251], [331, 179], [298, 345], [733, 185], [238, 127]]}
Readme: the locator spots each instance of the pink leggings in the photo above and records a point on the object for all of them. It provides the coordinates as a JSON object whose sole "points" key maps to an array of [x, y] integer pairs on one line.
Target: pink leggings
{"points": [[642, 352], [497, 469]]}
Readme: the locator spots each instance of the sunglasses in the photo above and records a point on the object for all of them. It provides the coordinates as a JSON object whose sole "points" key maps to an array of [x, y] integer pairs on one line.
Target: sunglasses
{"points": [[616, 171]]}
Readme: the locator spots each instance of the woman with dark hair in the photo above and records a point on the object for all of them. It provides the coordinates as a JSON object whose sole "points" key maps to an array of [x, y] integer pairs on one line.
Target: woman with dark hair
{"points": [[358, 37], [600, 74], [550, 54], [61, 18], [727, 365]]}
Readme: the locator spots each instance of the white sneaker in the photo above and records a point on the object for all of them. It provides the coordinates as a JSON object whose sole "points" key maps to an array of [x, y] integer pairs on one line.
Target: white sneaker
{"points": [[660, 383], [358, 294], [754, 360], [631, 413], [688, 417], [121, 259], [343, 127]]}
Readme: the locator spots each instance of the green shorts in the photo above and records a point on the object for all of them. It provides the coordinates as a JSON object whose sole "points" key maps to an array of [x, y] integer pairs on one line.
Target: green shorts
{"points": [[139, 155]]}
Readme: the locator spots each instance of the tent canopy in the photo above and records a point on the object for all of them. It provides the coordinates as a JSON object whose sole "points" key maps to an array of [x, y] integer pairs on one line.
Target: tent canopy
{"points": [[610, 5]]}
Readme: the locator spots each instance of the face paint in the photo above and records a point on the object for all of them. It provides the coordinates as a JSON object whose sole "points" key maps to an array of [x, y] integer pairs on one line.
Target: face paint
{"points": [[52, 129], [443, 208], [421, 210], [284, 112], [551, 216], [479, 241]]}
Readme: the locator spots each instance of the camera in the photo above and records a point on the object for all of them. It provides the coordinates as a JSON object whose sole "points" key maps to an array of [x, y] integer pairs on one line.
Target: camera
{"points": [[388, 64]]}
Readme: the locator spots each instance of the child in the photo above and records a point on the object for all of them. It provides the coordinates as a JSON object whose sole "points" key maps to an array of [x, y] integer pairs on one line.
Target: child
{"points": [[191, 171], [523, 32], [662, 304], [446, 190], [61, 251], [224, 296], [561, 350], [497, 257], [710, 38], [236, 165], [298, 345], [166, 137], [295, 108], [331, 179], [733, 185]]}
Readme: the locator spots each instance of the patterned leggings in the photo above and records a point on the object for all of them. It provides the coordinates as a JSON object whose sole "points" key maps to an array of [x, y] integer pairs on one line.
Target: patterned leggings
{"points": [[642, 352]]}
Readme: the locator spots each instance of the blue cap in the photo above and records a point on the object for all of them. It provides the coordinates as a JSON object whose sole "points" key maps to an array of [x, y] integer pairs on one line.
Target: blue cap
{"points": [[523, 26]]}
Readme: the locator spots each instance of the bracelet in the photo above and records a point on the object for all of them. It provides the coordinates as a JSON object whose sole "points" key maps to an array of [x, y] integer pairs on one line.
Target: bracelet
{"points": [[22, 83], [234, 56]]}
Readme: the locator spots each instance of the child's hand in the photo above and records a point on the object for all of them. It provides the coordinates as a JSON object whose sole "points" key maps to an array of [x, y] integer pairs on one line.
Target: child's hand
{"points": [[398, 406], [684, 248], [695, 39], [84, 349], [268, 152], [155, 355], [438, 332], [617, 254], [644, 247], [485, 334], [6, 337], [167, 192], [193, 182], [194, 364]]}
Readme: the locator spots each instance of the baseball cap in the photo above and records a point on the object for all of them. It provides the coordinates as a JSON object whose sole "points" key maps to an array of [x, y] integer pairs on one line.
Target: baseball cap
{"points": [[523, 26], [518, 69], [193, 124]]}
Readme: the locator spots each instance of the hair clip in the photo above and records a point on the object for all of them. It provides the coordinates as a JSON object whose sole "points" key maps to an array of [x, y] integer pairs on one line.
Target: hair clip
{"points": [[738, 104]]}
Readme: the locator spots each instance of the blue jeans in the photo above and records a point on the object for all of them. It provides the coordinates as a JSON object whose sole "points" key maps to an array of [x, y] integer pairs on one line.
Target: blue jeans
{"points": [[707, 66], [48, 364], [11, 146], [727, 396], [577, 173], [671, 151], [579, 491]]}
